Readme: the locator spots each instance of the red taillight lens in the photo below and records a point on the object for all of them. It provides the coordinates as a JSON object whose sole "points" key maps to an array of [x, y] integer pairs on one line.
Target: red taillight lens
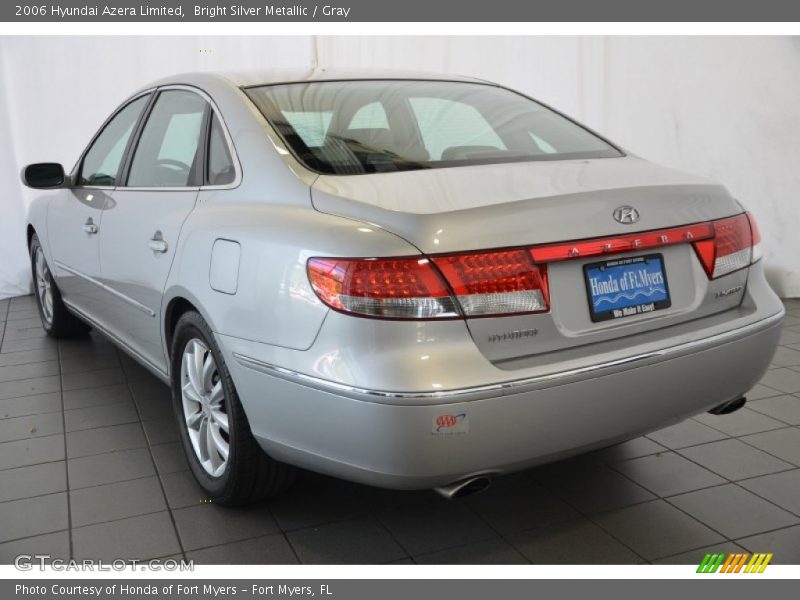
{"points": [[491, 283], [402, 288], [730, 249], [488, 283], [624, 243], [502, 282], [754, 231]]}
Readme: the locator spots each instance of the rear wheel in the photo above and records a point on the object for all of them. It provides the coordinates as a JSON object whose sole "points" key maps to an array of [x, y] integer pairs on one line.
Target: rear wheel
{"points": [[57, 321], [223, 455]]}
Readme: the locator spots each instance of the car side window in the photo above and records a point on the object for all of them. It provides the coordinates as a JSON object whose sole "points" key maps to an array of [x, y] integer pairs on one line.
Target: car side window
{"points": [[166, 154], [220, 169], [102, 161]]}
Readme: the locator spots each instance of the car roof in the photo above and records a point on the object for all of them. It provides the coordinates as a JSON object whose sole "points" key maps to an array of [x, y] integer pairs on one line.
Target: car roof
{"points": [[274, 76]]}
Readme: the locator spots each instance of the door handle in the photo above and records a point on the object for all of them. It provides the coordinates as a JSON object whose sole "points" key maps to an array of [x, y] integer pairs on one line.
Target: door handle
{"points": [[157, 243], [89, 227]]}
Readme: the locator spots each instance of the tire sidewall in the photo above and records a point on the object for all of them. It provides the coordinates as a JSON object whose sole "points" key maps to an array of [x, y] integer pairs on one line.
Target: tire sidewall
{"points": [[191, 325], [34, 247]]}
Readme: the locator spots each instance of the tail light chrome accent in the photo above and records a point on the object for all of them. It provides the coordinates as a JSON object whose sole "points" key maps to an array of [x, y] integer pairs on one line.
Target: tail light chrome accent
{"points": [[507, 281]]}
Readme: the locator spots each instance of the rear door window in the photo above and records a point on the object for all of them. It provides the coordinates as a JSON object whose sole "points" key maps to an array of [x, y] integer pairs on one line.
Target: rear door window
{"points": [[166, 154]]}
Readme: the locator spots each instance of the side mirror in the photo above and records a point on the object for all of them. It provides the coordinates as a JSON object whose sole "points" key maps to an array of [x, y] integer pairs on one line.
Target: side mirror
{"points": [[43, 175]]}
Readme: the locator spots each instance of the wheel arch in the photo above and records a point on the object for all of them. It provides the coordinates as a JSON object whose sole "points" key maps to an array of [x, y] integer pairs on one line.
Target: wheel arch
{"points": [[177, 302]]}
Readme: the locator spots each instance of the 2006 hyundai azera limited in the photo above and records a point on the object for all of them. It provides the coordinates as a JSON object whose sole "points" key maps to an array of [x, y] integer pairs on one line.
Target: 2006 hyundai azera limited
{"points": [[407, 281]]}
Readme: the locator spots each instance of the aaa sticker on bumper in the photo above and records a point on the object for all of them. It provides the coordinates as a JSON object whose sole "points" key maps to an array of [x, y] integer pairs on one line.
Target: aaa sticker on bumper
{"points": [[451, 423]]}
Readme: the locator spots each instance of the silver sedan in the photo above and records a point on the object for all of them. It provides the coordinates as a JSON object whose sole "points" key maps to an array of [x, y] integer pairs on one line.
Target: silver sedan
{"points": [[407, 281]]}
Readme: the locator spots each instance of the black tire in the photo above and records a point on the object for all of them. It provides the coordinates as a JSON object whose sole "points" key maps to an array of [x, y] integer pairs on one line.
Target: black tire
{"points": [[250, 474], [57, 320]]}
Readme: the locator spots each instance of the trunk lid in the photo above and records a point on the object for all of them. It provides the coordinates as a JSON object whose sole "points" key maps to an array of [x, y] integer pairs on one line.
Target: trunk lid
{"points": [[524, 204]]}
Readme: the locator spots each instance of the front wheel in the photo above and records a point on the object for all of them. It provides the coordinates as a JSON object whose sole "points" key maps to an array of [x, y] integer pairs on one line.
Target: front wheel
{"points": [[223, 455], [57, 321]]}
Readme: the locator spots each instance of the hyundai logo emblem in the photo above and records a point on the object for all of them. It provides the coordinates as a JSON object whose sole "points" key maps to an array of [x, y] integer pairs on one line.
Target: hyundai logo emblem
{"points": [[626, 215]]}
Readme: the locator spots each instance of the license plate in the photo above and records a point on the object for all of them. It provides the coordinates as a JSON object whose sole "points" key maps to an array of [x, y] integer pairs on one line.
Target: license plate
{"points": [[626, 287]]}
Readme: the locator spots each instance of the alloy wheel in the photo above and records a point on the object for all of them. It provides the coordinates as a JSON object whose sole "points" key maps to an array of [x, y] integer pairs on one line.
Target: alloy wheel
{"points": [[44, 288], [204, 407]]}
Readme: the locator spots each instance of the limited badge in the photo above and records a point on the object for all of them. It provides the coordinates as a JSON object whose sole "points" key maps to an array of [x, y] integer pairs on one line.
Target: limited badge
{"points": [[450, 424]]}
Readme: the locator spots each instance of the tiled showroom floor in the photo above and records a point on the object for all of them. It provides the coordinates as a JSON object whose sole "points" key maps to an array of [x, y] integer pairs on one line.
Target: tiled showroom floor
{"points": [[90, 467]]}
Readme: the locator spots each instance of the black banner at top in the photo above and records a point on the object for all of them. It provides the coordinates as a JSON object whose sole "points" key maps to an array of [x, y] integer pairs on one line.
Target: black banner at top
{"points": [[131, 11]]}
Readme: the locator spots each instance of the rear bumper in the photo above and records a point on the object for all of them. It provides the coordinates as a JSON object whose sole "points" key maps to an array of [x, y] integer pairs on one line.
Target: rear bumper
{"points": [[390, 439]]}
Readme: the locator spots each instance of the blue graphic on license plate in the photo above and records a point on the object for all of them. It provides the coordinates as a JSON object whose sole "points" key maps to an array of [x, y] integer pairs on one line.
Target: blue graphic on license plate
{"points": [[626, 287]]}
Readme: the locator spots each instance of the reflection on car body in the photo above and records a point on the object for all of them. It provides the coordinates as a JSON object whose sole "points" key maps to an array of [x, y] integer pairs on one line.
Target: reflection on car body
{"points": [[404, 280]]}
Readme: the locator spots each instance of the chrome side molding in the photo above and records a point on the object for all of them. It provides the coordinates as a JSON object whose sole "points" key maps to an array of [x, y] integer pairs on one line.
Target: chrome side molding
{"points": [[454, 394], [107, 288]]}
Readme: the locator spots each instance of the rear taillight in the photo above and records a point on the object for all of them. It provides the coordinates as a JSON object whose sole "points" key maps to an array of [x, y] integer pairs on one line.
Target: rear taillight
{"points": [[503, 282], [757, 252], [400, 288], [734, 246], [495, 283], [488, 283]]}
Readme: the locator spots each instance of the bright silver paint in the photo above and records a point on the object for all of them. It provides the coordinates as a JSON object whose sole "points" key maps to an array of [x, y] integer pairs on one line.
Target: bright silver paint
{"points": [[355, 397]]}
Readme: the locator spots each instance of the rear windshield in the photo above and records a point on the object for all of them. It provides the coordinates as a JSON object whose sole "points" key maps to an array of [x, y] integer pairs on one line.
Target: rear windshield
{"points": [[352, 127]]}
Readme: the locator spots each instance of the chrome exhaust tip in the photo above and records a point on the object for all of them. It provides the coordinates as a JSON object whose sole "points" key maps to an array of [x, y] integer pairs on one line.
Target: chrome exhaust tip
{"points": [[465, 487], [728, 407]]}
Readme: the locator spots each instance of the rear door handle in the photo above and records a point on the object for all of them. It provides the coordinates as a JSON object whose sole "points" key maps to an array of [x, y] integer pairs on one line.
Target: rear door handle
{"points": [[157, 243], [89, 227]]}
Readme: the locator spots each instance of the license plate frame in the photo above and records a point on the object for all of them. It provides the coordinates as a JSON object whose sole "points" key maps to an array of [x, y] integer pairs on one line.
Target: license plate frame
{"points": [[632, 286]]}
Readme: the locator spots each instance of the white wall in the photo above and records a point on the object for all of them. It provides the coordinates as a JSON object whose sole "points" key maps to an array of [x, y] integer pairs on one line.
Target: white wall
{"points": [[728, 109], [13, 260], [723, 107]]}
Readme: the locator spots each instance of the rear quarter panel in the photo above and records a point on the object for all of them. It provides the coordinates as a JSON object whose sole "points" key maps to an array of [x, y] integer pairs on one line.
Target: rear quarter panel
{"points": [[274, 302]]}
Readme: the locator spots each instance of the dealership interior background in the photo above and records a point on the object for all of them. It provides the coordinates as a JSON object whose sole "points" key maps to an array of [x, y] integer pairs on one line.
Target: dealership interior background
{"points": [[90, 464]]}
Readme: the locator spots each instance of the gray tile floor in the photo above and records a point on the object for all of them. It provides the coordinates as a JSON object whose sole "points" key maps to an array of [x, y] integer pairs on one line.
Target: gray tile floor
{"points": [[90, 467]]}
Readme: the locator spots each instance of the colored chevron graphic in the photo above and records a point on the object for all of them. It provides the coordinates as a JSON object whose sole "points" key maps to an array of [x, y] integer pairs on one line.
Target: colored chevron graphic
{"points": [[736, 562]]}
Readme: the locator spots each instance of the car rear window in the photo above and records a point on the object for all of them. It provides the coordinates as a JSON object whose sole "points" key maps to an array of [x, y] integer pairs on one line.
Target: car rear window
{"points": [[354, 127]]}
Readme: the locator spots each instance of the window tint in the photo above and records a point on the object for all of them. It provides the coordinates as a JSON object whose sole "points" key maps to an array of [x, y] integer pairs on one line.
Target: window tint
{"points": [[101, 163], [371, 116], [310, 126], [167, 150], [448, 126], [542, 145], [354, 127], [220, 164]]}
